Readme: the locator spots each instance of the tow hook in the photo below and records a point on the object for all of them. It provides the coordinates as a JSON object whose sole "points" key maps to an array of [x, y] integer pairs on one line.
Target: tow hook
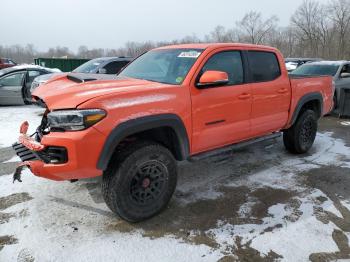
{"points": [[18, 172]]}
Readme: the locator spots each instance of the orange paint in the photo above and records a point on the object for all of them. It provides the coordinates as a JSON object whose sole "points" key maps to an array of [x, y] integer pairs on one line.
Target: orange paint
{"points": [[213, 117]]}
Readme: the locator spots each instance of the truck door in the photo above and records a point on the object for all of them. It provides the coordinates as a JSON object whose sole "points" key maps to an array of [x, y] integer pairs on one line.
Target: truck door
{"points": [[221, 114], [271, 93]]}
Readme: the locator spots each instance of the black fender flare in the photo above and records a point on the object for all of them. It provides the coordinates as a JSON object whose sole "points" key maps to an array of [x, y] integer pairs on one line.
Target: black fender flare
{"points": [[305, 99], [140, 124]]}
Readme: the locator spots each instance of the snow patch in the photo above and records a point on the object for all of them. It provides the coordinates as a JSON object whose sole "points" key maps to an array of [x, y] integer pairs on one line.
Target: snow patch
{"points": [[14, 159], [12, 117]]}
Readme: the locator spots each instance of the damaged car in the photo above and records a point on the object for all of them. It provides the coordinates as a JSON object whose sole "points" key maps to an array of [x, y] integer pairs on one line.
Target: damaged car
{"points": [[171, 104]]}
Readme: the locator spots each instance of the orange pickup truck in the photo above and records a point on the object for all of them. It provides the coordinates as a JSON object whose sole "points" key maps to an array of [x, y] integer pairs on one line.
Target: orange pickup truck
{"points": [[170, 104]]}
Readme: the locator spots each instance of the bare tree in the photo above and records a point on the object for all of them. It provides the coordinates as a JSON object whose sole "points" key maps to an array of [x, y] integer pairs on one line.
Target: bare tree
{"points": [[83, 51], [256, 27], [219, 34], [306, 19], [340, 14]]}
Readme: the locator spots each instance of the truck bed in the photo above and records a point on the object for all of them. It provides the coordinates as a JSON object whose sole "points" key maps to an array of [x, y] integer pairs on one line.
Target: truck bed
{"points": [[306, 84]]}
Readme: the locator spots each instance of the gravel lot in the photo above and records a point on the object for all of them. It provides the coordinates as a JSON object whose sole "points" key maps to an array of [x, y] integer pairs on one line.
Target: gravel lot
{"points": [[255, 204]]}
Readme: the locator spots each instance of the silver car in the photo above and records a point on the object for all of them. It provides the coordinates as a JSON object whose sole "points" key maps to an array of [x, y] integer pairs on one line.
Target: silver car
{"points": [[103, 65], [340, 70], [15, 83]]}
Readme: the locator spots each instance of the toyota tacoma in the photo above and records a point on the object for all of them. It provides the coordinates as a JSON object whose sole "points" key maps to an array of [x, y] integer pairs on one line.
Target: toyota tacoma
{"points": [[170, 104]]}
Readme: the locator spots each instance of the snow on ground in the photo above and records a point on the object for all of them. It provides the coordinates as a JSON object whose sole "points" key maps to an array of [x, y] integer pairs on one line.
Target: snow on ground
{"points": [[345, 123], [49, 229], [12, 117], [63, 222], [296, 240], [14, 159]]}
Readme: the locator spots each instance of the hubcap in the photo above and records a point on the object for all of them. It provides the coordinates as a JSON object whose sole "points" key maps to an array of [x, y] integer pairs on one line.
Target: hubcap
{"points": [[148, 182]]}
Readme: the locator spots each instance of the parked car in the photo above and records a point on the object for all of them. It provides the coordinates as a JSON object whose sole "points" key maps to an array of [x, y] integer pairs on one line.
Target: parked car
{"points": [[5, 63], [15, 83], [294, 63], [339, 70], [103, 65], [170, 104]]}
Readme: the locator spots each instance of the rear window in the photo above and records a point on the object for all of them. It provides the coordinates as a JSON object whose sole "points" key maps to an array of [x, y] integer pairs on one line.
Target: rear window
{"points": [[264, 66], [115, 66], [89, 67], [316, 70]]}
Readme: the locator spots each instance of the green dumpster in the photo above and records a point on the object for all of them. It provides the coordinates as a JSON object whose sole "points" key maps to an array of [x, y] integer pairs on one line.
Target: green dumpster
{"points": [[64, 64]]}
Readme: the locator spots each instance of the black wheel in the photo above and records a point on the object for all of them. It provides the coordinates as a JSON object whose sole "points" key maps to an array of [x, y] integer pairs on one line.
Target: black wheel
{"points": [[299, 138], [140, 181], [27, 96]]}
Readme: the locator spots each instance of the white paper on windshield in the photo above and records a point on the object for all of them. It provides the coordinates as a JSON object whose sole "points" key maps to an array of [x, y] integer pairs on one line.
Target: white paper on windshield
{"points": [[189, 54]]}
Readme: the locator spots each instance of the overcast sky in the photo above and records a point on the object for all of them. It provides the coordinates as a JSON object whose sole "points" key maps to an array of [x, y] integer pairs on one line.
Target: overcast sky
{"points": [[110, 24]]}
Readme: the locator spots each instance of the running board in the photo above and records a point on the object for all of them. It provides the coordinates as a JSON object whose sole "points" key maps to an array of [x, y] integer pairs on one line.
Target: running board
{"points": [[233, 147]]}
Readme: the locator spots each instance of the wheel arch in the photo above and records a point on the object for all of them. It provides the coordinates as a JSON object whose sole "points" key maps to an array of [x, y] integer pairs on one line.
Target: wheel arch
{"points": [[156, 124], [313, 101]]}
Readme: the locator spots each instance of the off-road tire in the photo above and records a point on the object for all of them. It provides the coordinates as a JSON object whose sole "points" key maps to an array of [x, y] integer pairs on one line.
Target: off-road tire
{"points": [[124, 183], [299, 138]]}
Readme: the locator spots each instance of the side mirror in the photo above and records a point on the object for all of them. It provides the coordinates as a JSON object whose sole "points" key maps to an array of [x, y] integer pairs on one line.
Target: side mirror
{"points": [[345, 75], [102, 71], [212, 79]]}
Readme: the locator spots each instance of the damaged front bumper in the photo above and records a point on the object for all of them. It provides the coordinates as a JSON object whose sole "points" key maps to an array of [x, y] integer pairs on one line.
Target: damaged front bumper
{"points": [[34, 155], [59, 155], [30, 150]]}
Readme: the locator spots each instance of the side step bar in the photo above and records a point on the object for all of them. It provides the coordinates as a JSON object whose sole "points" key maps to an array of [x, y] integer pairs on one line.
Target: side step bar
{"points": [[233, 147]]}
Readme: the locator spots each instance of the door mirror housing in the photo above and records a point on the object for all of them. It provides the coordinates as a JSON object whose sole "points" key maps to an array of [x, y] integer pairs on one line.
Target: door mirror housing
{"points": [[345, 75], [102, 71], [212, 79]]}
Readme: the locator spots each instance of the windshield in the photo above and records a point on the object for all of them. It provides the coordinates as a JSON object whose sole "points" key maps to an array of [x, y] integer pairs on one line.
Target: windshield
{"points": [[169, 66], [89, 67], [316, 69]]}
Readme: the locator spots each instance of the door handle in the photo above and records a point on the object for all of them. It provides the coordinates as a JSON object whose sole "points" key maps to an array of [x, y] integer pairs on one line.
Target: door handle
{"points": [[282, 91], [244, 96]]}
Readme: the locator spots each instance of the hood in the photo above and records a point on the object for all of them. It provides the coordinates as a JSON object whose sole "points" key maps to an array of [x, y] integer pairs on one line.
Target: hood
{"points": [[69, 91]]}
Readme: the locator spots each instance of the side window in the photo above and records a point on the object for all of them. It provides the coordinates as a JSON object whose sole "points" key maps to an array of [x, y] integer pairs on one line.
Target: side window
{"points": [[264, 66], [12, 80], [346, 69], [32, 75], [229, 62], [115, 67]]}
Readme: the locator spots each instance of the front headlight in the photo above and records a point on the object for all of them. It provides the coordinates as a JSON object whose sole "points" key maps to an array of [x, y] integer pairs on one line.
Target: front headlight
{"points": [[74, 120]]}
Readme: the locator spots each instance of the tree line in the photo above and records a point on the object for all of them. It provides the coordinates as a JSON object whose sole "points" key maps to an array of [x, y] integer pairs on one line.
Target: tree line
{"points": [[315, 30]]}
